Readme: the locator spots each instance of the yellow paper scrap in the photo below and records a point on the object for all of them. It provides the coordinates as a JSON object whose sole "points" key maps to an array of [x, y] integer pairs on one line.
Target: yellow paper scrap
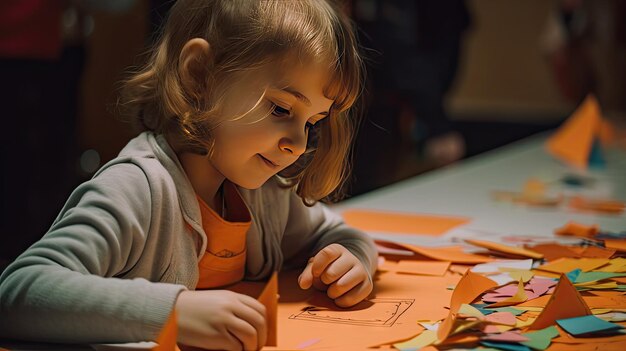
{"points": [[426, 338]]}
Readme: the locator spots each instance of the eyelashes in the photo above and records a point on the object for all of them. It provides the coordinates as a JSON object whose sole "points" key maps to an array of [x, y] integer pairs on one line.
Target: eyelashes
{"points": [[281, 112]]}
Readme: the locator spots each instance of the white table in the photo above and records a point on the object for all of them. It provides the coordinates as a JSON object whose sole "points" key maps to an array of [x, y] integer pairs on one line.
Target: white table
{"points": [[465, 189]]}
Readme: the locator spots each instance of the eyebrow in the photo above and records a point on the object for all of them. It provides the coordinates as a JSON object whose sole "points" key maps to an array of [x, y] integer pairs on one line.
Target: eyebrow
{"points": [[298, 95]]}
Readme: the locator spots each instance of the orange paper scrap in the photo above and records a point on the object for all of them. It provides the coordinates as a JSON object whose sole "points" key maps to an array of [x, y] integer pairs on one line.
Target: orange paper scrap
{"points": [[405, 223], [269, 299], [167, 338], [573, 141], [566, 265], [518, 251], [453, 254], [597, 205], [468, 289], [438, 268], [565, 302], [520, 296], [577, 229], [618, 245]]}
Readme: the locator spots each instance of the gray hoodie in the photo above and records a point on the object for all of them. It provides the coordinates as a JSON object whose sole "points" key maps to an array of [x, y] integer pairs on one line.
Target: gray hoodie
{"points": [[129, 240]]}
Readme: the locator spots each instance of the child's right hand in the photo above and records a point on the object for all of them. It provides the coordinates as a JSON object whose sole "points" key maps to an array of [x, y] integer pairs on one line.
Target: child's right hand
{"points": [[220, 319]]}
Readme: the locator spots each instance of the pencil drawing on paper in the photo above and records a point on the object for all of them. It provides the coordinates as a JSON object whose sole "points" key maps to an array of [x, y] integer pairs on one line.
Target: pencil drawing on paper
{"points": [[384, 312]]}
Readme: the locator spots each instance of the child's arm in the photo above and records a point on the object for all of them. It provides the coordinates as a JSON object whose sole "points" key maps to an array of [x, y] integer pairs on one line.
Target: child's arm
{"points": [[63, 288], [336, 255]]}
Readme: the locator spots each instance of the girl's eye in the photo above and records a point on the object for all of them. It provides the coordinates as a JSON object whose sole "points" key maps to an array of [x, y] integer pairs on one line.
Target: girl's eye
{"points": [[280, 111]]}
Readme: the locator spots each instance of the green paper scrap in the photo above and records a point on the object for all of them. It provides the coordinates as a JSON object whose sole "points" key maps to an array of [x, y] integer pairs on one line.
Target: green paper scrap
{"points": [[573, 275], [541, 339], [426, 338], [512, 310], [504, 346], [585, 277], [587, 325]]}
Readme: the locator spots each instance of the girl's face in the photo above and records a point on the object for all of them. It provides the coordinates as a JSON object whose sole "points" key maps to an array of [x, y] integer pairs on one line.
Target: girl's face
{"points": [[249, 150]]}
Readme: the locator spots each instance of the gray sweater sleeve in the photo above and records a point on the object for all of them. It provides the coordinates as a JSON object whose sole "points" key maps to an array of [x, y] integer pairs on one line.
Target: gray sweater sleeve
{"points": [[65, 288], [310, 229]]}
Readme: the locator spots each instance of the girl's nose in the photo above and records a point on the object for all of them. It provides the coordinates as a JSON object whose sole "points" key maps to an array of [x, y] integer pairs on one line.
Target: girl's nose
{"points": [[294, 143]]}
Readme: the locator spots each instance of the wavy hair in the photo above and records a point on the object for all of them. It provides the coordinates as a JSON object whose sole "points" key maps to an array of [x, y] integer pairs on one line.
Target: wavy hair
{"points": [[248, 36]]}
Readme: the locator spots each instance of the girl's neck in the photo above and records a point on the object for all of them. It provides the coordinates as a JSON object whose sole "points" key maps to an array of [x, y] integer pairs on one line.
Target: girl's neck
{"points": [[205, 179]]}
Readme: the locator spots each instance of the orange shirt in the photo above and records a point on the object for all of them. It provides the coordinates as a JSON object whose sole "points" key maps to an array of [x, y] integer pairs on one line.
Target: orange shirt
{"points": [[224, 260]]}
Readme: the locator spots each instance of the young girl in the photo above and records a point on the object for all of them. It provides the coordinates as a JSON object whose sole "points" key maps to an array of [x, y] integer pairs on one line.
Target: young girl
{"points": [[244, 106]]}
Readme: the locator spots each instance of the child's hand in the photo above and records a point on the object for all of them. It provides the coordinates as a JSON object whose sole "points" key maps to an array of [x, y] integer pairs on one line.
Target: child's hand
{"points": [[220, 319], [340, 273]]}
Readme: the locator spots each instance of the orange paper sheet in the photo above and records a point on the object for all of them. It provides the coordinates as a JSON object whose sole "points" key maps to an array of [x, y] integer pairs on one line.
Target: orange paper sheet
{"points": [[517, 251], [404, 223], [573, 141], [389, 314], [565, 302]]}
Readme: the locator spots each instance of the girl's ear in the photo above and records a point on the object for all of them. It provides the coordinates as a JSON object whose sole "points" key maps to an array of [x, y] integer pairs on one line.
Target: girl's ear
{"points": [[193, 68]]}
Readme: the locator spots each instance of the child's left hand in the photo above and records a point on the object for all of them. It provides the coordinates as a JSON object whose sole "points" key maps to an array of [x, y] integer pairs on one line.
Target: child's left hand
{"points": [[340, 273]]}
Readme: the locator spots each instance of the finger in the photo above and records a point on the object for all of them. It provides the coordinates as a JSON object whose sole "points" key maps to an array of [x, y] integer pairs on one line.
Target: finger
{"points": [[338, 268], [253, 303], [348, 281], [325, 257], [355, 295], [305, 280], [258, 323], [244, 332]]}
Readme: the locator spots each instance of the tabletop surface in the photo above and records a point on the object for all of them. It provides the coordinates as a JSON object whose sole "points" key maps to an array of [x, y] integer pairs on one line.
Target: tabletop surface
{"points": [[465, 189]]}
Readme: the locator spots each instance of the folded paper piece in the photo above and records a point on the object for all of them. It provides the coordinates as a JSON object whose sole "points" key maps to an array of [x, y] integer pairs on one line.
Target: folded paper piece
{"points": [[269, 299], [578, 229], [469, 288], [167, 337], [405, 223], [565, 302], [519, 296], [518, 251], [587, 325], [575, 140]]}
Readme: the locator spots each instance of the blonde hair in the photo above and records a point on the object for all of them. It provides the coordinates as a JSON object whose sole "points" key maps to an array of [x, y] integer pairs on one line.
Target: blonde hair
{"points": [[246, 36]]}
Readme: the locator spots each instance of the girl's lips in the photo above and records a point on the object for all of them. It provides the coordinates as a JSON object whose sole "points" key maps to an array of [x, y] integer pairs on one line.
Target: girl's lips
{"points": [[268, 162]]}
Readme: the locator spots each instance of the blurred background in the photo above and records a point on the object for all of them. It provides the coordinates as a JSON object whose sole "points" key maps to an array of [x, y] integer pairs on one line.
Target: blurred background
{"points": [[447, 80]]}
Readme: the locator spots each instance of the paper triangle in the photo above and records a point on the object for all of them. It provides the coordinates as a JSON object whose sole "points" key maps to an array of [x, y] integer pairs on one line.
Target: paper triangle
{"points": [[269, 299], [574, 140], [565, 302]]}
